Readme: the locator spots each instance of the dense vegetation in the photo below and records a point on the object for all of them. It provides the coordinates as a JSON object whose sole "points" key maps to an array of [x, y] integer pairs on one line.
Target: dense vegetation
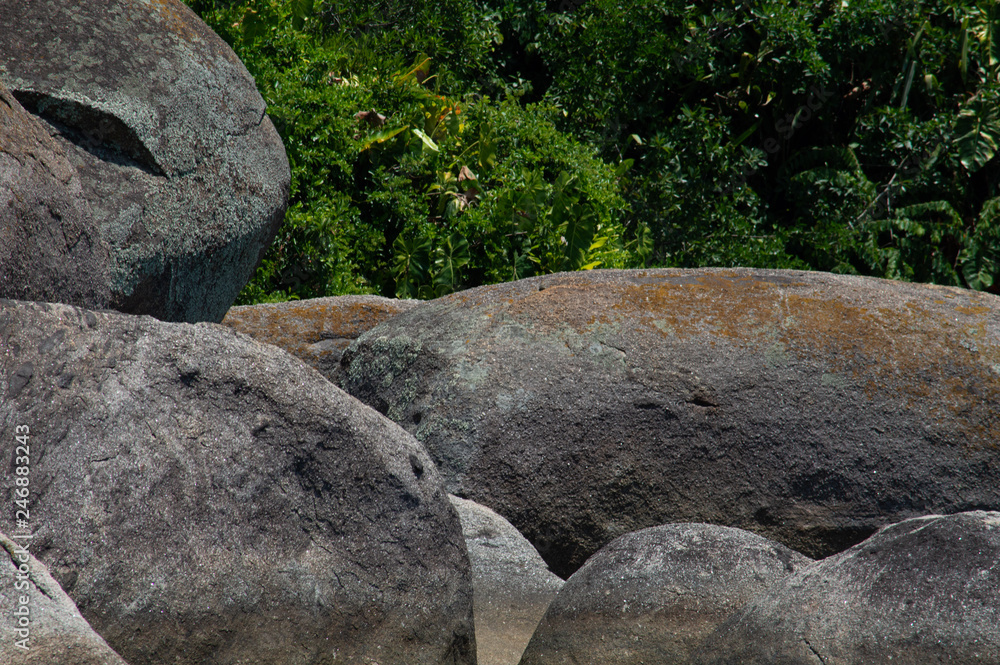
{"points": [[437, 146]]}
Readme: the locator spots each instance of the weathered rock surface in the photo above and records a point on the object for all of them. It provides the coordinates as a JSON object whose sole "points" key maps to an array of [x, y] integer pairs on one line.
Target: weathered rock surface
{"points": [[205, 498], [511, 584], [40, 624], [172, 163], [317, 330], [921, 591], [652, 596], [48, 250], [807, 407]]}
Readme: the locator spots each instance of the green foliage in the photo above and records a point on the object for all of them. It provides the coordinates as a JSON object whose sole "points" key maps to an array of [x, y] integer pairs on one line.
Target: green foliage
{"points": [[791, 134], [484, 192], [437, 146]]}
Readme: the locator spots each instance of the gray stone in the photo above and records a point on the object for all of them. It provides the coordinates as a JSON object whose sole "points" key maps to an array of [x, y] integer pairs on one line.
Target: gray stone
{"points": [[205, 498], [809, 408], [511, 584], [48, 250], [922, 591], [317, 330], [39, 623], [183, 176], [652, 596]]}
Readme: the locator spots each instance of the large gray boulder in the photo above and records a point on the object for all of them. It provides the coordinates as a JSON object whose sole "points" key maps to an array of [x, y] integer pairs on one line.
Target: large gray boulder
{"points": [[809, 408], [925, 590], [653, 596], [175, 178], [205, 498], [40, 624], [511, 584], [316, 330]]}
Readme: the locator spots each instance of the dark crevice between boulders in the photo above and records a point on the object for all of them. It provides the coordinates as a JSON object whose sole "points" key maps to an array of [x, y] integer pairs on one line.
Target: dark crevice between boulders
{"points": [[96, 131]]}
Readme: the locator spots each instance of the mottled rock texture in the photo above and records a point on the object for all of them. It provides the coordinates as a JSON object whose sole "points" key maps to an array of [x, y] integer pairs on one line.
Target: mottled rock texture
{"points": [[205, 498], [511, 584], [40, 624], [807, 407], [922, 591], [652, 596], [169, 162], [49, 249], [317, 330]]}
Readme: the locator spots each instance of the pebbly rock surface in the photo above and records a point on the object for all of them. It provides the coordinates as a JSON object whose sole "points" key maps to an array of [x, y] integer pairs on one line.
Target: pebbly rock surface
{"points": [[317, 330], [168, 161], [807, 407], [205, 498], [511, 584], [40, 624], [654, 595], [921, 591]]}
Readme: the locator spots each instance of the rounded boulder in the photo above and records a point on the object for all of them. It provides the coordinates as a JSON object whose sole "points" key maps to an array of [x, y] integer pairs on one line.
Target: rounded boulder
{"points": [[809, 408], [511, 584], [40, 623], [205, 498], [924, 590], [654, 595], [184, 177]]}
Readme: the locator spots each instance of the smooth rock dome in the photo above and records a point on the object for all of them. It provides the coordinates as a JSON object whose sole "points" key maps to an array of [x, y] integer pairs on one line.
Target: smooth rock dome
{"points": [[809, 408]]}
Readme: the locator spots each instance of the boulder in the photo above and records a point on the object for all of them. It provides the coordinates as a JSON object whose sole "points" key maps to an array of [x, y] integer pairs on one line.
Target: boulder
{"points": [[49, 249], [654, 595], [205, 498], [511, 584], [807, 407], [168, 161], [317, 330], [921, 591], [40, 623]]}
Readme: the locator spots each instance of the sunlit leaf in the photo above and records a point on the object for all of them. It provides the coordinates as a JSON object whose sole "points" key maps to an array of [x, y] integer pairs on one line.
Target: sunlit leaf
{"points": [[977, 135], [428, 141], [381, 137], [301, 11]]}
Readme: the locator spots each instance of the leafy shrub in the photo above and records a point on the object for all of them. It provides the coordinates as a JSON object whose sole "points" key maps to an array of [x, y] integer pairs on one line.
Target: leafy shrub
{"points": [[830, 122], [436, 146], [398, 186]]}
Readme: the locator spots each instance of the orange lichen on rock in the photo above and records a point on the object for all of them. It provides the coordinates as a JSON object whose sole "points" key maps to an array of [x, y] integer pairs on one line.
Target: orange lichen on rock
{"points": [[316, 330]]}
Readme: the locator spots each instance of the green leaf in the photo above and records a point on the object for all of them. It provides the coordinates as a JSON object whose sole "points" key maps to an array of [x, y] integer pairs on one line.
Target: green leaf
{"points": [[428, 141], [301, 11], [933, 211], [487, 149], [579, 235], [745, 135], [623, 167], [977, 135], [254, 26], [452, 256], [412, 264], [381, 137]]}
